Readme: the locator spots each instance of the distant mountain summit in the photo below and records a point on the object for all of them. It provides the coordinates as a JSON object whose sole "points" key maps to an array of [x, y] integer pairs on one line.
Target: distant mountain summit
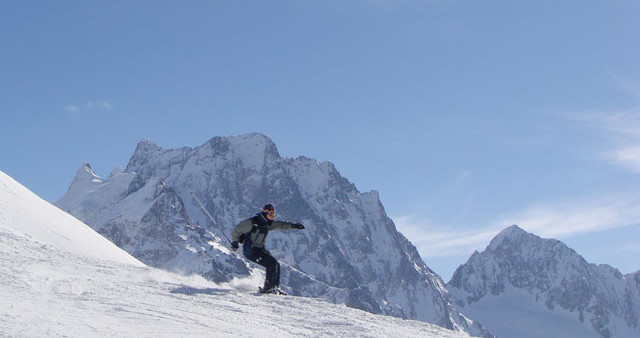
{"points": [[349, 253], [526, 286]]}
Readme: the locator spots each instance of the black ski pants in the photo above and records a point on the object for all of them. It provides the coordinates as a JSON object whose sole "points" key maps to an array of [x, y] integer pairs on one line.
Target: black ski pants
{"points": [[264, 258]]}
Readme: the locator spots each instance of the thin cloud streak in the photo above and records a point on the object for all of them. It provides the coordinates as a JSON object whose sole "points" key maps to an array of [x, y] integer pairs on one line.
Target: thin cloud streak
{"points": [[433, 241], [75, 110], [578, 217], [622, 127], [100, 105], [72, 110], [555, 221], [630, 248]]}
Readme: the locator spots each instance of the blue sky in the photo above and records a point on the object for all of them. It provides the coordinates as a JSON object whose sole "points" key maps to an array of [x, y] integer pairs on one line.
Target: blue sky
{"points": [[467, 116]]}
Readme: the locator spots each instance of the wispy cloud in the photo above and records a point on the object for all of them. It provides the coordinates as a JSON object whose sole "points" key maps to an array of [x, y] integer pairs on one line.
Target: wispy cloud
{"points": [[99, 105], [75, 110], [623, 129], [629, 247], [559, 220], [437, 241], [72, 110], [563, 220]]}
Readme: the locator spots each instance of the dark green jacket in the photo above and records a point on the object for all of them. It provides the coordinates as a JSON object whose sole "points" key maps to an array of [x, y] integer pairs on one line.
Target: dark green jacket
{"points": [[253, 231]]}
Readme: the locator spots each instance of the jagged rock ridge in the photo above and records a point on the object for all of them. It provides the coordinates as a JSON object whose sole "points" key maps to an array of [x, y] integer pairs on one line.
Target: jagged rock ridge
{"points": [[547, 285]]}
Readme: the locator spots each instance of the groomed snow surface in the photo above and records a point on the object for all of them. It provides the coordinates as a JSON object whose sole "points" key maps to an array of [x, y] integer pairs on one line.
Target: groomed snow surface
{"points": [[53, 286]]}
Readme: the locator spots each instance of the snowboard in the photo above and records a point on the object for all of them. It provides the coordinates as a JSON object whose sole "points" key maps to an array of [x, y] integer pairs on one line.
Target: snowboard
{"points": [[273, 291]]}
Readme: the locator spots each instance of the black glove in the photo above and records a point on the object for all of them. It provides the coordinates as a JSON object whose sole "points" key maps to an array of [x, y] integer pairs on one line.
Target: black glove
{"points": [[297, 226], [234, 245]]}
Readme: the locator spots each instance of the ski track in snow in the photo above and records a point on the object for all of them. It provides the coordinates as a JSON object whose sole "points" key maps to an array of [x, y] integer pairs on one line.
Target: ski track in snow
{"points": [[48, 292]]}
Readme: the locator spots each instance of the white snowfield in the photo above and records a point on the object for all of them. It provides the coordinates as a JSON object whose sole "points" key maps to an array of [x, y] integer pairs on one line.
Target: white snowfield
{"points": [[28, 214], [58, 278]]}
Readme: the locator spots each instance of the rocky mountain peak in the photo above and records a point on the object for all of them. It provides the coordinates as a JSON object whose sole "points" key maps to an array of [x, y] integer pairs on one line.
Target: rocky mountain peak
{"points": [[86, 179], [85, 172], [145, 150], [255, 150], [145, 147], [509, 235], [520, 271]]}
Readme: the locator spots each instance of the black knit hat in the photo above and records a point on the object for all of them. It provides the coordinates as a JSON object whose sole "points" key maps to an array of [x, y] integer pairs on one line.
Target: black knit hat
{"points": [[268, 207]]}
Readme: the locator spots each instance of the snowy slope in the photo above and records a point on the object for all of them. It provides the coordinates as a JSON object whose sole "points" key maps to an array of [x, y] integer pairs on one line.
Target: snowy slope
{"points": [[350, 251], [24, 213], [53, 287], [526, 286]]}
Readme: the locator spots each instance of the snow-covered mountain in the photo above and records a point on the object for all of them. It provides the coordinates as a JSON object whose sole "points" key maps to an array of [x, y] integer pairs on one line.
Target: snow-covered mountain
{"points": [[148, 219], [350, 251], [526, 286], [61, 279]]}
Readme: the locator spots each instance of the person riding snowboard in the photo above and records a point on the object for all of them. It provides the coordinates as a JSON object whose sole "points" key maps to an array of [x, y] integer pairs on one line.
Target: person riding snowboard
{"points": [[252, 232]]}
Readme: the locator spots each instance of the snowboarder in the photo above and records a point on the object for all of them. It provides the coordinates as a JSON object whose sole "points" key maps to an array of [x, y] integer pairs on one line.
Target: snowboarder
{"points": [[252, 233]]}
